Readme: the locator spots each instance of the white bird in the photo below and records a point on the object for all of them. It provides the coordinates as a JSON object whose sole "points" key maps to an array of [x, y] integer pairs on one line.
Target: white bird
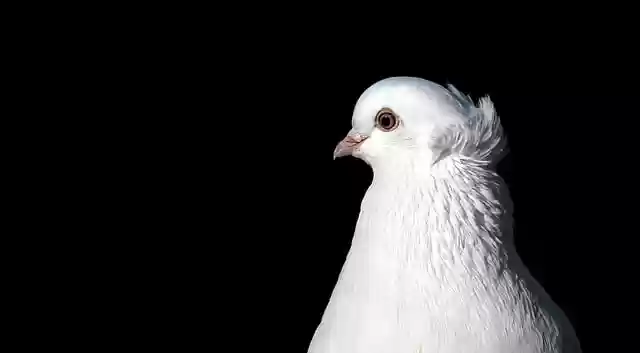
{"points": [[432, 266]]}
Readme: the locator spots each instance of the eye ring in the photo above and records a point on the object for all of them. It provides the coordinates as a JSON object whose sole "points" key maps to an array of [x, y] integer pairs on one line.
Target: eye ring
{"points": [[387, 120]]}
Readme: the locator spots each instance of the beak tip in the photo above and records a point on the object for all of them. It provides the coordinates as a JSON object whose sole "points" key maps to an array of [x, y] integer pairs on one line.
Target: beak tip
{"points": [[348, 145], [341, 152]]}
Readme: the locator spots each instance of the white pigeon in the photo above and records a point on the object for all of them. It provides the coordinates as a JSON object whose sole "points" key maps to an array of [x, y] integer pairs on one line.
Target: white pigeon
{"points": [[432, 266]]}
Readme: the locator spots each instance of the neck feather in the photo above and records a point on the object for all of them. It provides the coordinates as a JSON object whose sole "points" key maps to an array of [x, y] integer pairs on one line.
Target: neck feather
{"points": [[454, 217]]}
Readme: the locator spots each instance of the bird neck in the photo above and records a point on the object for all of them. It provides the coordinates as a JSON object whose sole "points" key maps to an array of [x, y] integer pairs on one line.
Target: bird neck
{"points": [[452, 216]]}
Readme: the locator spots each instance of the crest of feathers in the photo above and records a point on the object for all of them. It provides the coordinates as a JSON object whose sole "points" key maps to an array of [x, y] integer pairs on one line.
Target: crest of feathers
{"points": [[479, 137]]}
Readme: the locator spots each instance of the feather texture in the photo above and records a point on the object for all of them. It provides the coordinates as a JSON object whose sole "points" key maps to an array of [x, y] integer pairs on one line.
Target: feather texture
{"points": [[432, 266], [479, 136]]}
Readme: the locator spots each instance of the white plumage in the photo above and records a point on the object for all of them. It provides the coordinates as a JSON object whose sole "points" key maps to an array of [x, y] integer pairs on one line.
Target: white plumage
{"points": [[432, 267]]}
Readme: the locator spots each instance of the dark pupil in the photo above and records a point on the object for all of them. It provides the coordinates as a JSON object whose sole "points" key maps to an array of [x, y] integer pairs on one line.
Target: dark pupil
{"points": [[386, 121]]}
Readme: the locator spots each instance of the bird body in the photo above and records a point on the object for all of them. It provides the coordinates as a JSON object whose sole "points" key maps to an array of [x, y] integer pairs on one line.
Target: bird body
{"points": [[432, 267]]}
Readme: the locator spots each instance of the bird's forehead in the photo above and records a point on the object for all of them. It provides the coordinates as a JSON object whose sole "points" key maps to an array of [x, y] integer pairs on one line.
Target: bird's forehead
{"points": [[402, 99]]}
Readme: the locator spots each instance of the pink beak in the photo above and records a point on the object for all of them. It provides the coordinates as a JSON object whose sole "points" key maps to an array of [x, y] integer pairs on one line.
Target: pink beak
{"points": [[348, 144]]}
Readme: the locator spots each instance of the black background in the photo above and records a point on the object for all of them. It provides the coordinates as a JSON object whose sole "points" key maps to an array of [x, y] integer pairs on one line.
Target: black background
{"points": [[210, 208]]}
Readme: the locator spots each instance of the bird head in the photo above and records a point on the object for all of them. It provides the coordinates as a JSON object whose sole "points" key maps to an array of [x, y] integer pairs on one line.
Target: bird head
{"points": [[406, 119]]}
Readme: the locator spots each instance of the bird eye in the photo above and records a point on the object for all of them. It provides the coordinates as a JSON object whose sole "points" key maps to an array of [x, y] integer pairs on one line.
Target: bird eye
{"points": [[386, 120]]}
